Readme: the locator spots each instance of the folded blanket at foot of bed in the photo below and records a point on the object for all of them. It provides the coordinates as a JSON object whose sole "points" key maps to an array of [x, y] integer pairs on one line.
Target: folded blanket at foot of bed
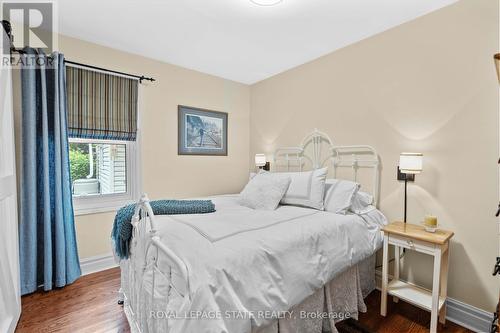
{"points": [[122, 227]]}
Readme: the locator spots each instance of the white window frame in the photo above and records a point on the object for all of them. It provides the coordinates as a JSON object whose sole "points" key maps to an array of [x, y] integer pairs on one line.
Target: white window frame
{"points": [[99, 203]]}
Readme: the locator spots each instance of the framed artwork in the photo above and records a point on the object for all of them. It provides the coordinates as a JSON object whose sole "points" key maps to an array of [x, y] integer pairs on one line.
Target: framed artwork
{"points": [[202, 132]]}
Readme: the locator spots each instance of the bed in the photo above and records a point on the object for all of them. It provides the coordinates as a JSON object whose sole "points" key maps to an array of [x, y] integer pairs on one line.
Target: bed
{"points": [[241, 270]]}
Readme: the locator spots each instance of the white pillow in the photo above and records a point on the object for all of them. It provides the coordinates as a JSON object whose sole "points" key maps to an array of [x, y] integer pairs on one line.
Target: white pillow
{"points": [[264, 191], [362, 203], [306, 188], [339, 195]]}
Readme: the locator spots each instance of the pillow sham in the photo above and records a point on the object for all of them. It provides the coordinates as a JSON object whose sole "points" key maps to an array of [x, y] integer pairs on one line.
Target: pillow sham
{"points": [[362, 203], [339, 195], [306, 189], [264, 191]]}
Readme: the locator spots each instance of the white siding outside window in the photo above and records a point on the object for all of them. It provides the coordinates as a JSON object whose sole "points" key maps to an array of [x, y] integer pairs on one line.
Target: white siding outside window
{"points": [[111, 168]]}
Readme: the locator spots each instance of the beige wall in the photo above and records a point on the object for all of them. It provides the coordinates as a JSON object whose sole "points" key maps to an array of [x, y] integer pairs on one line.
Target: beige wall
{"points": [[428, 86], [164, 173]]}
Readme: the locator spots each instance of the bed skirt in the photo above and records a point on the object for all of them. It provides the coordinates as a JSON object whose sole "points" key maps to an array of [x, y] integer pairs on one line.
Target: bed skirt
{"points": [[340, 299]]}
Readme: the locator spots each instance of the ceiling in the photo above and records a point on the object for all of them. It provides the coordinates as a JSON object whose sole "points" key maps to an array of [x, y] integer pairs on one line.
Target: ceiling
{"points": [[235, 39]]}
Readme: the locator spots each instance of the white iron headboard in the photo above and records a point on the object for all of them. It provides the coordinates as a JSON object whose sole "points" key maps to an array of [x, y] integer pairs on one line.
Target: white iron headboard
{"points": [[317, 150]]}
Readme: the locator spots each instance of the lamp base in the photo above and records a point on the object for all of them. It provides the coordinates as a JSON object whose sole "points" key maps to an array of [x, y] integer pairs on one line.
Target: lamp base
{"points": [[410, 177], [266, 167]]}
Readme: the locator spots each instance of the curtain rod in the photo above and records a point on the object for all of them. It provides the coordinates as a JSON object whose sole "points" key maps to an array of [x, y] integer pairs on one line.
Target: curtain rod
{"points": [[140, 77], [7, 27]]}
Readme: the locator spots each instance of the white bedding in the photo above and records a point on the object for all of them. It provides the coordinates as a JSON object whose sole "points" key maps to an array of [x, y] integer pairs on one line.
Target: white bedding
{"points": [[242, 261]]}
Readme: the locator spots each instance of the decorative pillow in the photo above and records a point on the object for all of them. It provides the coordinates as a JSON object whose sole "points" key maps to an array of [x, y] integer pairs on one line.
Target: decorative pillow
{"points": [[362, 203], [339, 195], [306, 188], [264, 191]]}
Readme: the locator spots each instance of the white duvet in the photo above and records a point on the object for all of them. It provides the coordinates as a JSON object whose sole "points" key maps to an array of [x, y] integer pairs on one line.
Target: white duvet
{"points": [[244, 262]]}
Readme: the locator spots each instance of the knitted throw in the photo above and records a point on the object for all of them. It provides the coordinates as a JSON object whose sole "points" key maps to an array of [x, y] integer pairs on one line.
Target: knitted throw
{"points": [[122, 227]]}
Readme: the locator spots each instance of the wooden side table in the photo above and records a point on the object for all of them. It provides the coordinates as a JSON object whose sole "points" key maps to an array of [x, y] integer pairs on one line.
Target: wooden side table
{"points": [[414, 237]]}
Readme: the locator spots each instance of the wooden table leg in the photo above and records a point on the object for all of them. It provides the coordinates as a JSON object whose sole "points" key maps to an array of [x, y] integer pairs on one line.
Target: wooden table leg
{"points": [[444, 283], [396, 267], [385, 269], [435, 289]]}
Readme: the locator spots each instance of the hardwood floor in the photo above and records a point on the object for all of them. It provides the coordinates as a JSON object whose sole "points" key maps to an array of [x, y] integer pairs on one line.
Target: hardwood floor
{"points": [[89, 305], [401, 317]]}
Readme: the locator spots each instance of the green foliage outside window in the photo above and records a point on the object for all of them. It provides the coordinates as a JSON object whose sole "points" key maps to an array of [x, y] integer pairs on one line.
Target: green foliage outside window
{"points": [[79, 164]]}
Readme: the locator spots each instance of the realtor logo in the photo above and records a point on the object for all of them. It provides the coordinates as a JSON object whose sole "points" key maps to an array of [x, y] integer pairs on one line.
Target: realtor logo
{"points": [[32, 24]]}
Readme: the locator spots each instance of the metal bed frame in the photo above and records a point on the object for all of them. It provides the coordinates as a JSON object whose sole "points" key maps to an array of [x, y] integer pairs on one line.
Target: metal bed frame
{"points": [[146, 247]]}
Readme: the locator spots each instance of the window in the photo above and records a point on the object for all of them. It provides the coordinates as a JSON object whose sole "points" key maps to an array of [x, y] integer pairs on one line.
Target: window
{"points": [[103, 174], [102, 129], [98, 168]]}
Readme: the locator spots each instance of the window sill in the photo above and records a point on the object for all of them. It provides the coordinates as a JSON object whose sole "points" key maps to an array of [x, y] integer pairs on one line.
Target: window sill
{"points": [[87, 206], [90, 211]]}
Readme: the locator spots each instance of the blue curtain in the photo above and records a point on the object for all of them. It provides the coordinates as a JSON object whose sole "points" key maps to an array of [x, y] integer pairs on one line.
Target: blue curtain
{"points": [[48, 252]]}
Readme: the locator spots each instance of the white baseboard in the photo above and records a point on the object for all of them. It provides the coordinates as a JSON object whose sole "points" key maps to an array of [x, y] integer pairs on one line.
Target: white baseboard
{"points": [[460, 313], [468, 316], [98, 263]]}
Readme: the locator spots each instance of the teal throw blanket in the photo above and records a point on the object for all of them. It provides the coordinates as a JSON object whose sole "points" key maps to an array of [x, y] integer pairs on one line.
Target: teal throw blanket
{"points": [[122, 227]]}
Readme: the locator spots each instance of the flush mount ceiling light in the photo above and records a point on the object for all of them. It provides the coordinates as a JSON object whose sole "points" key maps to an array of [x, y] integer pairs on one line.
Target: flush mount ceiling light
{"points": [[266, 3]]}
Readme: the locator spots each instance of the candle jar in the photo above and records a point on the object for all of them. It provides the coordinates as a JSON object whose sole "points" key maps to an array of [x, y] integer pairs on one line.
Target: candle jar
{"points": [[430, 223]]}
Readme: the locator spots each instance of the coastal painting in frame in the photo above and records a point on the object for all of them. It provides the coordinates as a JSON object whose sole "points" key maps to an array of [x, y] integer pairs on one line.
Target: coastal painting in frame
{"points": [[202, 132]]}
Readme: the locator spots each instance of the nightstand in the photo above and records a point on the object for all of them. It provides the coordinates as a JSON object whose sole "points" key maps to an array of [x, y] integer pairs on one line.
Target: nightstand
{"points": [[414, 237]]}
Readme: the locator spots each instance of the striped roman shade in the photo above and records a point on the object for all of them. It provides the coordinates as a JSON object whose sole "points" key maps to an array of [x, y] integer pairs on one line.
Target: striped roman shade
{"points": [[101, 106]]}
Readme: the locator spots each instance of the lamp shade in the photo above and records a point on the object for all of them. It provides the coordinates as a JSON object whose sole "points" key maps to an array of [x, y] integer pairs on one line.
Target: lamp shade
{"points": [[260, 160], [411, 162]]}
